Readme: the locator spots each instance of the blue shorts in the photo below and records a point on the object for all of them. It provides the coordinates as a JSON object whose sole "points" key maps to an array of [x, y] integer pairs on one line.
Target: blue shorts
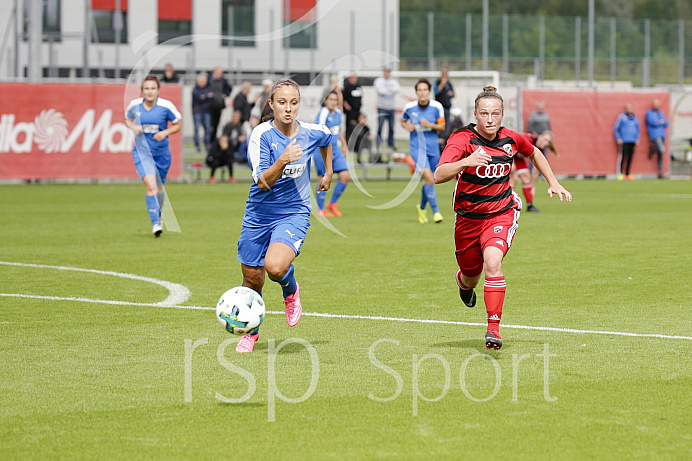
{"points": [[146, 164], [258, 233], [338, 163], [430, 161]]}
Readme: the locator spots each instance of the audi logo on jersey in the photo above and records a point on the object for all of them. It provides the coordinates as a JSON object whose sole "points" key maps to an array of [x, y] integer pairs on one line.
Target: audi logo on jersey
{"points": [[495, 170]]}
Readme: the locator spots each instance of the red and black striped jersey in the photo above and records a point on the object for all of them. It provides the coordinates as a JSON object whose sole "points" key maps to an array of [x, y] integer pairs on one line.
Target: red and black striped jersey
{"points": [[484, 191]]}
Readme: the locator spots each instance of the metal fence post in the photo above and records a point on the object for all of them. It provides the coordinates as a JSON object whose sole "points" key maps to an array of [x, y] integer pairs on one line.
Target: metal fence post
{"points": [[469, 23], [681, 52], [485, 34], [591, 41], [577, 50], [505, 43], [646, 63], [431, 41], [613, 26]]}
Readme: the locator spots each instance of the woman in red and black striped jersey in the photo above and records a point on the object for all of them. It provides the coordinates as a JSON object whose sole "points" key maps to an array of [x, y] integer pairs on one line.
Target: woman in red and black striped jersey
{"points": [[480, 158]]}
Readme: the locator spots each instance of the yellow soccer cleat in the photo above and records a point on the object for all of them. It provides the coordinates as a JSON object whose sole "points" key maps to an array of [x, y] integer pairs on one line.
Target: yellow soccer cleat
{"points": [[422, 218]]}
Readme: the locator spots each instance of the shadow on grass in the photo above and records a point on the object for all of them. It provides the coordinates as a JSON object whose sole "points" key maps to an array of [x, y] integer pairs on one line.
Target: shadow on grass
{"points": [[477, 344], [291, 348], [242, 404]]}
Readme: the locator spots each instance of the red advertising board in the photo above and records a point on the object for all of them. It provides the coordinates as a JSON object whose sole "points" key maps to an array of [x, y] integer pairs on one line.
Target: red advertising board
{"points": [[72, 131], [583, 122]]}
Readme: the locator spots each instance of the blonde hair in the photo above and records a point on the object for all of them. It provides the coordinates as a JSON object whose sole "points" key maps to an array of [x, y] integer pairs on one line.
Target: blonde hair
{"points": [[489, 92]]}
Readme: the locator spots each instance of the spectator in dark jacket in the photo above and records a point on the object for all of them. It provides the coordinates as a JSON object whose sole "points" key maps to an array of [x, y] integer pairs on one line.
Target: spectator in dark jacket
{"points": [[241, 102], [222, 90], [202, 97], [353, 95]]}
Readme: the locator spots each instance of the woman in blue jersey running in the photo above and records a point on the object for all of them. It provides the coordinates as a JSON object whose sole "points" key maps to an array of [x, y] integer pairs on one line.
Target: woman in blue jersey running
{"points": [[330, 116], [148, 118], [277, 213], [425, 120]]}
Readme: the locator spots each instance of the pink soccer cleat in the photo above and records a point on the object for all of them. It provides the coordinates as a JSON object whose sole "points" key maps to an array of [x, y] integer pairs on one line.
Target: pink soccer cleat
{"points": [[334, 208], [294, 309], [247, 343]]}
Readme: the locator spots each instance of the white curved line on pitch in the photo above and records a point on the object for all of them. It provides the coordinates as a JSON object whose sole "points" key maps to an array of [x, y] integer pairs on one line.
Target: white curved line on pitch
{"points": [[177, 293], [367, 317]]}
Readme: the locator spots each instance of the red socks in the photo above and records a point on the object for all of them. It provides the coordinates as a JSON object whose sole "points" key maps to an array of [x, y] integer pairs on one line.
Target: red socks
{"points": [[494, 296], [527, 189]]}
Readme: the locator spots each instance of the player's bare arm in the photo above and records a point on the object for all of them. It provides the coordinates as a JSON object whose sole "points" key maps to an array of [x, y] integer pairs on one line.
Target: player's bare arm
{"points": [[174, 128], [326, 181], [554, 187], [292, 153], [439, 126], [448, 171], [344, 144], [136, 129]]}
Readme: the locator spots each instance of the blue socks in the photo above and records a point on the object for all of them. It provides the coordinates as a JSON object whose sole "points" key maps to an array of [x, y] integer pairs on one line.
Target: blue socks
{"points": [[153, 208], [428, 195], [320, 197], [288, 282], [338, 190]]}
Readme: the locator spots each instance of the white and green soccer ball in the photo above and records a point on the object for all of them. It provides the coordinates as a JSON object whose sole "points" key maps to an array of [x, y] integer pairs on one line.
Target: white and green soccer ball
{"points": [[240, 311]]}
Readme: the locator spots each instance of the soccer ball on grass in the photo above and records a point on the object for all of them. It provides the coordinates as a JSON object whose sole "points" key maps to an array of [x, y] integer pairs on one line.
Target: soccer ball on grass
{"points": [[240, 311]]}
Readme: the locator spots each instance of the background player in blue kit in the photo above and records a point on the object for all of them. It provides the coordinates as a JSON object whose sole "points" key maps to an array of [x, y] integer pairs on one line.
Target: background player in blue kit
{"points": [[330, 116], [148, 118], [277, 213], [425, 119]]}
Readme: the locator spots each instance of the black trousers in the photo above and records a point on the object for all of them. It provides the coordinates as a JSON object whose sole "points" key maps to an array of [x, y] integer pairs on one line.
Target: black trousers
{"points": [[626, 161]]}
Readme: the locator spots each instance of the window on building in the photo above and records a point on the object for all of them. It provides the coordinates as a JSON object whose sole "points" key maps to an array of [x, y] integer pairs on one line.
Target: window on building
{"points": [[51, 19], [242, 15], [105, 20], [175, 19], [299, 17]]}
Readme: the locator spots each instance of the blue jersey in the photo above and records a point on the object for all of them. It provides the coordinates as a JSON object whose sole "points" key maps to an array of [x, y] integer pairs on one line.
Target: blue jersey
{"points": [[154, 120], [626, 128], [333, 122], [432, 113], [291, 193]]}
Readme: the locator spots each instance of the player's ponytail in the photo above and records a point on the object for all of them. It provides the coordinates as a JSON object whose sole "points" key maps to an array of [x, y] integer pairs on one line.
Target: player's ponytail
{"points": [[489, 92]]}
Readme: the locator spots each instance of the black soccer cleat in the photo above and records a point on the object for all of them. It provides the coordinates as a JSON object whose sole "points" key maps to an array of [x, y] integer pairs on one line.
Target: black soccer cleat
{"points": [[492, 340], [532, 208], [468, 296]]}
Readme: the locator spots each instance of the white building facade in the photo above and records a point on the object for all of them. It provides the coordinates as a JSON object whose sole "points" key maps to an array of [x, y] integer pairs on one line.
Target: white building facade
{"points": [[272, 37]]}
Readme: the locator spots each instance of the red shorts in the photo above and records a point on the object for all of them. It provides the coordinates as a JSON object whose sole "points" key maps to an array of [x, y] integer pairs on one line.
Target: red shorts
{"points": [[473, 236], [521, 163]]}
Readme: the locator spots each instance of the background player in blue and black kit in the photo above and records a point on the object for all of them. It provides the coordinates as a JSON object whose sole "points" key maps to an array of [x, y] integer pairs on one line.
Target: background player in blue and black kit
{"points": [[330, 116], [148, 118], [425, 120], [277, 214]]}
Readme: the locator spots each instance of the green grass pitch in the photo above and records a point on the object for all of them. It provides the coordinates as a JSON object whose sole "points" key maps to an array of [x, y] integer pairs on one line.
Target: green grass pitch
{"points": [[395, 367]]}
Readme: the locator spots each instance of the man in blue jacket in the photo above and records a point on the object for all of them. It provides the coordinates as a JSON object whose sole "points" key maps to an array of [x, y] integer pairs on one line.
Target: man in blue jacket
{"points": [[627, 137], [656, 124]]}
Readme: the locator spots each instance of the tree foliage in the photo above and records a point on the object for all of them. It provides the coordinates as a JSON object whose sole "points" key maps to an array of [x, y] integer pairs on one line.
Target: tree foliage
{"points": [[621, 9]]}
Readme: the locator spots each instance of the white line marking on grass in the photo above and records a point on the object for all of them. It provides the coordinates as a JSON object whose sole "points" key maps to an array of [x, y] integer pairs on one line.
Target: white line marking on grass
{"points": [[177, 293], [518, 327], [363, 317]]}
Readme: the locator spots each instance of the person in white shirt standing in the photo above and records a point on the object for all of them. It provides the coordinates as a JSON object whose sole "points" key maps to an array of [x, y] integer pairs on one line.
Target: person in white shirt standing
{"points": [[386, 88]]}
